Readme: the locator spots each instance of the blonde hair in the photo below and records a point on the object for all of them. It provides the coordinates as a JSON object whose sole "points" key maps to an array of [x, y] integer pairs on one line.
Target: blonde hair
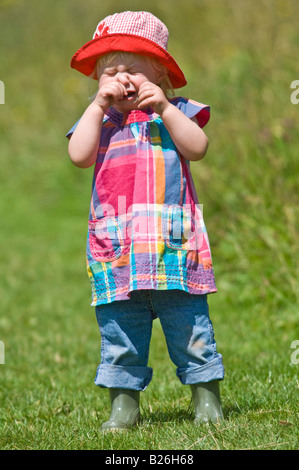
{"points": [[165, 85]]}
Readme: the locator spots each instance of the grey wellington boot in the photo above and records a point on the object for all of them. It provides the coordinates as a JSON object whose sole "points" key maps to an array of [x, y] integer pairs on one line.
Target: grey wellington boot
{"points": [[124, 409], [207, 404]]}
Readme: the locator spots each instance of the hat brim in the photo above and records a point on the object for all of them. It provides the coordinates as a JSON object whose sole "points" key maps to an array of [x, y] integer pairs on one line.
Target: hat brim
{"points": [[84, 60]]}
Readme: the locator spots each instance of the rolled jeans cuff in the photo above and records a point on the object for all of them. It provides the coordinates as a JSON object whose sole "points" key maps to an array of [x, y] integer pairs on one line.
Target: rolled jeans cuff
{"points": [[213, 370], [125, 377]]}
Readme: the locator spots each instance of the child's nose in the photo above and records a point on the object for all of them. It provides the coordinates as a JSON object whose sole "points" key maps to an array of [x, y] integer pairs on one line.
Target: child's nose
{"points": [[123, 78]]}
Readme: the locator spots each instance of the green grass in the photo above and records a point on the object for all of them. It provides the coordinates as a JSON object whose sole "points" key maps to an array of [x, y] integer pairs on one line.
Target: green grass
{"points": [[239, 59]]}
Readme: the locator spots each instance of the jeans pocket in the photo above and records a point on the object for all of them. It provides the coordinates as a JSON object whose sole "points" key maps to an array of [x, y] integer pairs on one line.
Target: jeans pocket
{"points": [[178, 227], [106, 238]]}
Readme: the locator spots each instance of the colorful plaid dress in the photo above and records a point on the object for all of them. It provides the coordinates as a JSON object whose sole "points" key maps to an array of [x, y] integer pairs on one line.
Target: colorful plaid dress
{"points": [[146, 229]]}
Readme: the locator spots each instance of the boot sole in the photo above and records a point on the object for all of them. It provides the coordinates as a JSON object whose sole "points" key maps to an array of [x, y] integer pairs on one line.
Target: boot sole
{"points": [[119, 426]]}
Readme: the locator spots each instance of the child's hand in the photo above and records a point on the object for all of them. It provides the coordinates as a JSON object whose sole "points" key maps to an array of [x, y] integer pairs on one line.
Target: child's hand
{"points": [[110, 94], [152, 95]]}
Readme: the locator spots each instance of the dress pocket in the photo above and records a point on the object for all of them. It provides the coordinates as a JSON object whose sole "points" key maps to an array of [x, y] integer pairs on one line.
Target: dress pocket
{"points": [[106, 240], [178, 227]]}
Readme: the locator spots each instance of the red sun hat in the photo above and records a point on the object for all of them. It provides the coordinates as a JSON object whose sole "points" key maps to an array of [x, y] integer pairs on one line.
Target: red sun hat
{"points": [[139, 32]]}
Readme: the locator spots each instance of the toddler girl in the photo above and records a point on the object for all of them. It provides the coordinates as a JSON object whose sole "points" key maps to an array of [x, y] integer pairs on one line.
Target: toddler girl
{"points": [[148, 253]]}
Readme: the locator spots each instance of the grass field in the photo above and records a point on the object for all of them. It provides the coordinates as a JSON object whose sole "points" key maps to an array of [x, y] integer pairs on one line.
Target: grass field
{"points": [[241, 60]]}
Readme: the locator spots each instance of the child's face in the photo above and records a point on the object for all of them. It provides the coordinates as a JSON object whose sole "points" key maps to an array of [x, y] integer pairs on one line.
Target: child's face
{"points": [[131, 74]]}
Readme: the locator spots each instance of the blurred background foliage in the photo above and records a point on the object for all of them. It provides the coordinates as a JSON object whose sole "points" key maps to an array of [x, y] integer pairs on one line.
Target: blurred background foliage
{"points": [[240, 57]]}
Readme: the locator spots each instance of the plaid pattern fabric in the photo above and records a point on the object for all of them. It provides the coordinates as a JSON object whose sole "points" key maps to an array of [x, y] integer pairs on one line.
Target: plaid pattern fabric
{"points": [[146, 229], [139, 23]]}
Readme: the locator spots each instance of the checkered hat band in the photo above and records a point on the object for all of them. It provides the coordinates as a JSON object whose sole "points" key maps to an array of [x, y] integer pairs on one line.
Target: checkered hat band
{"points": [[141, 23]]}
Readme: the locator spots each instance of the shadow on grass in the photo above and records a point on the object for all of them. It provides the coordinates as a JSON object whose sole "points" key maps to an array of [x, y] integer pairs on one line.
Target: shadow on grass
{"points": [[179, 415], [166, 415]]}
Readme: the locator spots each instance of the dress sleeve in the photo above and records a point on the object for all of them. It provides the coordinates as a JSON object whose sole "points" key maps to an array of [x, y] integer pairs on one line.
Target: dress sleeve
{"points": [[70, 132], [193, 109]]}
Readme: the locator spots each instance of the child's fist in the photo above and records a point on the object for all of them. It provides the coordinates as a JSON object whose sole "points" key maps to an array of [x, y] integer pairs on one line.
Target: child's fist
{"points": [[152, 95], [110, 94]]}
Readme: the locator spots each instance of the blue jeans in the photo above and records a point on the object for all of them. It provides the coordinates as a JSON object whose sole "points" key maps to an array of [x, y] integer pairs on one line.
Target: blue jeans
{"points": [[126, 327]]}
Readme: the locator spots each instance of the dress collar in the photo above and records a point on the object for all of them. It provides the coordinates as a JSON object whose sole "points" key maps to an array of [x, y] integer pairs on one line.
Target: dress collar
{"points": [[136, 115]]}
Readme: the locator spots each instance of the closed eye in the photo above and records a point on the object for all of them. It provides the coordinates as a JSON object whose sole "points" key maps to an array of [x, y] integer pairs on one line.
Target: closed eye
{"points": [[110, 72], [114, 70]]}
